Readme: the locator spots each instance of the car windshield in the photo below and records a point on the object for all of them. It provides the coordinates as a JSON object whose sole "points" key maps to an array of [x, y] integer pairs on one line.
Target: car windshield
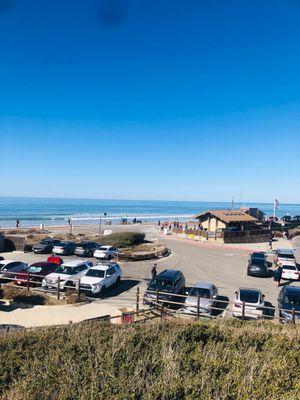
{"points": [[161, 284], [103, 248], [66, 270], [258, 255], [34, 269], [45, 241], [204, 293], [292, 299], [289, 256], [289, 267], [97, 273], [2, 265], [249, 296]]}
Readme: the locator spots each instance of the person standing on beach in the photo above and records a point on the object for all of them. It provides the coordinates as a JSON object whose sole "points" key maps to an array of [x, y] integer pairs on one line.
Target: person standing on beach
{"points": [[154, 271], [17, 223]]}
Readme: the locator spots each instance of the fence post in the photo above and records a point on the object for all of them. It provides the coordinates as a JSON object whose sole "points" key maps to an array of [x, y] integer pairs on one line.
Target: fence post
{"points": [[198, 306], [293, 315], [28, 280], [78, 290], [58, 288], [243, 310], [162, 313], [156, 298], [137, 307]]}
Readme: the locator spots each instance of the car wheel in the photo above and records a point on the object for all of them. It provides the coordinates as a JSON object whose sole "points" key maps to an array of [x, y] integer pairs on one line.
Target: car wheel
{"points": [[90, 253]]}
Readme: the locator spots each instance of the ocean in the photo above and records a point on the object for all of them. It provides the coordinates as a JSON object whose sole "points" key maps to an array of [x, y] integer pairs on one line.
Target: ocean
{"points": [[51, 211]]}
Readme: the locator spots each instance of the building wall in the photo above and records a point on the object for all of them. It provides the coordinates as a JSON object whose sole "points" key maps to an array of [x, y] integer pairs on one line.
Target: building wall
{"points": [[214, 224]]}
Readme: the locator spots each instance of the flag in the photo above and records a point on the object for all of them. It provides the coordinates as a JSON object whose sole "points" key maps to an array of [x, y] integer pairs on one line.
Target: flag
{"points": [[276, 204]]}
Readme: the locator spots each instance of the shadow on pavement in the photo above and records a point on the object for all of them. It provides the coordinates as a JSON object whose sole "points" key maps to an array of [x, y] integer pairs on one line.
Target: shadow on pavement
{"points": [[270, 311], [124, 286], [221, 303]]}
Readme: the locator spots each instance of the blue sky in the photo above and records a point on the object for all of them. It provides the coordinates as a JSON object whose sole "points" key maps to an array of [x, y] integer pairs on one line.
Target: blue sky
{"points": [[175, 100]]}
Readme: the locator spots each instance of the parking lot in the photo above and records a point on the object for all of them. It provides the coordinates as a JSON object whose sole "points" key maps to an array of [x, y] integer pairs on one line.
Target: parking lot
{"points": [[221, 265]]}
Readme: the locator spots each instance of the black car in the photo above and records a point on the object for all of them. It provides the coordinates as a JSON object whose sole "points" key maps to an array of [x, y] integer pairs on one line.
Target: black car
{"points": [[65, 248], [45, 246], [258, 265], [289, 300], [86, 249], [164, 286]]}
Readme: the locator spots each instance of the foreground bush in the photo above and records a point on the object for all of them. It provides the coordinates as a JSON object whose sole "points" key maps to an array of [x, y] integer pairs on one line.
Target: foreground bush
{"points": [[123, 239], [216, 360]]}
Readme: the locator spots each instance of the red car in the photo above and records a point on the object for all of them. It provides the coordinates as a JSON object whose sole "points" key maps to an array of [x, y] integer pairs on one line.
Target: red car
{"points": [[36, 271]]}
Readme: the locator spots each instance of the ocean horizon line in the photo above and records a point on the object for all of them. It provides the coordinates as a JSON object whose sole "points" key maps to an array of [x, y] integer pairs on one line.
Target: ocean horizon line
{"points": [[236, 203]]}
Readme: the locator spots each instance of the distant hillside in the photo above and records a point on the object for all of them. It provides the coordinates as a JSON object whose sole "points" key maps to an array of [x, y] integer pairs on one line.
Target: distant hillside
{"points": [[211, 360]]}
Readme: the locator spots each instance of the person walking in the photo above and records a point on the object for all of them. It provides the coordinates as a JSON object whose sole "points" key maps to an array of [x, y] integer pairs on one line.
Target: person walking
{"points": [[154, 271], [17, 223], [277, 275]]}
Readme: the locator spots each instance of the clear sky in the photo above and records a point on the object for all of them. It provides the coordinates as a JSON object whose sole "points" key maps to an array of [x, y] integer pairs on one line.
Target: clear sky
{"points": [[160, 99]]}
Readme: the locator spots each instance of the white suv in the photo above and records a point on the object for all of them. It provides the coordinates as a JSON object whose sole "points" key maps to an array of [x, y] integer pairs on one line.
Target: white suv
{"points": [[106, 252], [100, 277], [69, 274]]}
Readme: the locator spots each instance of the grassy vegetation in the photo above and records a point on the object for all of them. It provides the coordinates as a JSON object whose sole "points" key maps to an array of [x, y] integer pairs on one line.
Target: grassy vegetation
{"points": [[213, 360], [123, 239]]}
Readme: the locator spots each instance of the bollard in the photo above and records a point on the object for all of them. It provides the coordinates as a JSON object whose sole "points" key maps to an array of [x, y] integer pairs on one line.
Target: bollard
{"points": [[58, 288], [137, 308], [198, 306], [243, 310]]}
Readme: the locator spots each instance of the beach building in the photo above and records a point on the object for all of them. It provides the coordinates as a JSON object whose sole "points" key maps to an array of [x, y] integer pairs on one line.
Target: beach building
{"points": [[254, 212], [218, 220]]}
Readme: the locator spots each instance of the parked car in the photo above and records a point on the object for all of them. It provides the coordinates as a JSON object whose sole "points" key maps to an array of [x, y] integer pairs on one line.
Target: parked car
{"points": [[286, 218], [296, 218], [168, 283], [207, 292], [9, 268], [284, 255], [100, 277], [86, 249], [106, 252], [69, 273], [290, 270], [36, 273], [254, 302], [45, 246], [258, 265], [65, 248], [289, 299]]}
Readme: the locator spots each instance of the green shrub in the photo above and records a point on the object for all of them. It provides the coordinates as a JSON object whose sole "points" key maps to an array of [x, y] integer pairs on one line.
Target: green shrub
{"points": [[123, 239], [210, 360]]}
